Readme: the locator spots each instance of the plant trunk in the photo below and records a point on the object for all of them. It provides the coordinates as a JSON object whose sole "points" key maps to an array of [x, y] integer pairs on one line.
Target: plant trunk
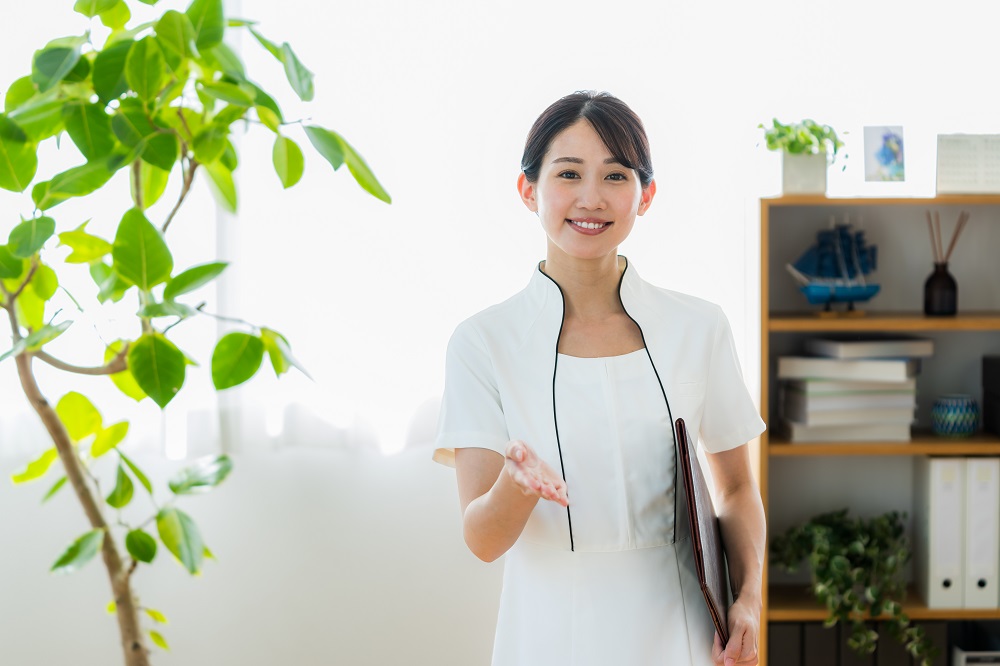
{"points": [[127, 610]]}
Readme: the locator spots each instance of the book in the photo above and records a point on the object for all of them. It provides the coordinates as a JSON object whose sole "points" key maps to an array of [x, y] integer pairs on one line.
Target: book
{"points": [[847, 387], [811, 367], [870, 345], [835, 417], [803, 403], [852, 432]]}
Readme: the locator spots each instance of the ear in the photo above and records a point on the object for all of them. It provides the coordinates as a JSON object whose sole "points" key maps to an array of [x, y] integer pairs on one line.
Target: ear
{"points": [[527, 192], [648, 193]]}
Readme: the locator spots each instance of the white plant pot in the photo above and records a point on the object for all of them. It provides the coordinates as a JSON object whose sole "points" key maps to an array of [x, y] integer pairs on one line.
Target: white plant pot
{"points": [[803, 174]]}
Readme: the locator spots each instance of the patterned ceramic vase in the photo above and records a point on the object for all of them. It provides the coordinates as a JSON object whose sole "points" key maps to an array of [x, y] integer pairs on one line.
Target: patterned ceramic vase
{"points": [[955, 415]]}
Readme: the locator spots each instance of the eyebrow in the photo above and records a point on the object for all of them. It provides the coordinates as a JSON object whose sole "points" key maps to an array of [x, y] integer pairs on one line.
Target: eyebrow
{"points": [[577, 160]]}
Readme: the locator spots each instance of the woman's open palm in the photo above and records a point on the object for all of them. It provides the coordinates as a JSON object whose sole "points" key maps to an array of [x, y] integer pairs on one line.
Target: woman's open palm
{"points": [[533, 474]]}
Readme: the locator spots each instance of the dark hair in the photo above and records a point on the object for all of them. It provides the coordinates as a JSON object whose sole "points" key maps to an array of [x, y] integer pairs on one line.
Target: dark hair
{"points": [[617, 125]]}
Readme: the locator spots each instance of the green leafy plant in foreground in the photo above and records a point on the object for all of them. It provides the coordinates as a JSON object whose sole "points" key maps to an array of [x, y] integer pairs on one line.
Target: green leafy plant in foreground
{"points": [[158, 100], [857, 574]]}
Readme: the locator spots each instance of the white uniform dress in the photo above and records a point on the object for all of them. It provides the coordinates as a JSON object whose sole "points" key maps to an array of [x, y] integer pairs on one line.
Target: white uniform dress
{"points": [[611, 579], [619, 597]]}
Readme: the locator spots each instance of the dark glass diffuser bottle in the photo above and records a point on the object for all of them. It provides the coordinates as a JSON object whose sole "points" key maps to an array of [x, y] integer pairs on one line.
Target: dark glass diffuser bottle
{"points": [[940, 292]]}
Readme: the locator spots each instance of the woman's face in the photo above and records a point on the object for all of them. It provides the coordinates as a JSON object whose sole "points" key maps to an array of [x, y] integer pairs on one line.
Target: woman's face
{"points": [[585, 199]]}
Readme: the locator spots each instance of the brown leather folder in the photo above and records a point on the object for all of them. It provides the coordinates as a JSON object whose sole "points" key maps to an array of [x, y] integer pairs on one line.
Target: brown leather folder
{"points": [[706, 539]]}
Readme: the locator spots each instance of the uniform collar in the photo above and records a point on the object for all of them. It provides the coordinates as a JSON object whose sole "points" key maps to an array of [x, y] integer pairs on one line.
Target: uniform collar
{"points": [[543, 291]]}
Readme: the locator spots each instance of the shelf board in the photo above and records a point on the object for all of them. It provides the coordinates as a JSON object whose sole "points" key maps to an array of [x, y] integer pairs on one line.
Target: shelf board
{"points": [[794, 603], [922, 444], [940, 200], [884, 321]]}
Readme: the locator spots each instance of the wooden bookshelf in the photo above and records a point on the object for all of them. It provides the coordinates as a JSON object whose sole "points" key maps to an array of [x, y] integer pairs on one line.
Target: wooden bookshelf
{"points": [[795, 603], [897, 226]]}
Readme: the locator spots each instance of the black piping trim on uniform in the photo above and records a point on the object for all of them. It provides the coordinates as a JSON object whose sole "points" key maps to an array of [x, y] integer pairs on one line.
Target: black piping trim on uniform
{"points": [[662, 390], [555, 420]]}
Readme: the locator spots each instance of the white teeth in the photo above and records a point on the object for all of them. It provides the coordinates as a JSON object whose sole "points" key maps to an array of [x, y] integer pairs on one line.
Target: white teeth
{"points": [[589, 225]]}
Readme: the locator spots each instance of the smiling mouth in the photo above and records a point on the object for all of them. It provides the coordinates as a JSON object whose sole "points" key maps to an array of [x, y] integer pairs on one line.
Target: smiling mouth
{"points": [[589, 225]]}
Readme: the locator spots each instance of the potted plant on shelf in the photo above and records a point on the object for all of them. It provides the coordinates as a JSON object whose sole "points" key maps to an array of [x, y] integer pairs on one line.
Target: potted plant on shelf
{"points": [[807, 149], [856, 570], [152, 100]]}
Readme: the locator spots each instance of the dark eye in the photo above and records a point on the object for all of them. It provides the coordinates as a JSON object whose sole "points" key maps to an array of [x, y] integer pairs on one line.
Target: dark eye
{"points": [[617, 176], [568, 174]]}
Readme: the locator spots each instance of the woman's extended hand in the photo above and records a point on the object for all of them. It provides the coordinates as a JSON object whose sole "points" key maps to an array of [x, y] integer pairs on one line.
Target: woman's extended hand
{"points": [[532, 474], [744, 629]]}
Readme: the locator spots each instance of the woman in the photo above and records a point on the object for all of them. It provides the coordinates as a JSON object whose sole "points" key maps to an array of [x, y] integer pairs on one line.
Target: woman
{"points": [[558, 412]]}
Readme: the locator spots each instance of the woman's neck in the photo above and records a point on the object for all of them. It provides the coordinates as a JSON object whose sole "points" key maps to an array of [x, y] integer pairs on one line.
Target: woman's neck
{"points": [[589, 286]]}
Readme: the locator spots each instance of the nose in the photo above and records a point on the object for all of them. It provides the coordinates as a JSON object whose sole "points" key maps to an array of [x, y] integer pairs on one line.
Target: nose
{"points": [[590, 195]]}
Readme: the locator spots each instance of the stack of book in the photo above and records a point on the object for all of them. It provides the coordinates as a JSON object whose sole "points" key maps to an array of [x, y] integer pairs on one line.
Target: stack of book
{"points": [[856, 388]]}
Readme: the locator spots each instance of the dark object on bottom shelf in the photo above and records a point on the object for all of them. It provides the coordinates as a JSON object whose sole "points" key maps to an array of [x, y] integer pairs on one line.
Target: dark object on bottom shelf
{"points": [[940, 293], [991, 374], [819, 645], [991, 412], [891, 652], [784, 644]]}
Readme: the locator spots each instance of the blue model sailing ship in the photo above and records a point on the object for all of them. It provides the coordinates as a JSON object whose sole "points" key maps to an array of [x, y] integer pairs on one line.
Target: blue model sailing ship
{"points": [[834, 270]]}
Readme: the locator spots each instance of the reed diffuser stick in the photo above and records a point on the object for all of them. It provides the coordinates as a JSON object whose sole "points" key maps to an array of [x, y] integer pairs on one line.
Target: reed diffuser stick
{"points": [[937, 231], [962, 219], [930, 229]]}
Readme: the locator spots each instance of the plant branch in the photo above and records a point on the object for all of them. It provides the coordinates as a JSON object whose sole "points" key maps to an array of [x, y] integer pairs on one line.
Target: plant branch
{"points": [[137, 183], [118, 364], [31, 273], [235, 320], [188, 178]]}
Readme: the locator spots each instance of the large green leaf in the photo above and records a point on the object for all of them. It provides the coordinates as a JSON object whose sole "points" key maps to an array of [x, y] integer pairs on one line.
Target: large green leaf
{"points": [[152, 181], [89, 126], [18, 157], [208, 21], [117, 16], [175, 35], [45, 282], [111, 286], [280, 352], [37, 468], [109, 77], [50, 65], [181, 537], [300, 78], [30, 310], [10, 266], [140, 546], [236, 358], [141, 256], [86, 247], [202, 476], [288, 161], [158, 367], [122, 493], [224, 187], [40, 116], [138, 473], [18, 93], [80, 552], [79, 73], [210, 142], [144, 68], [123, 380], [162, 150], [28, 237], [76, 182], [193, 278], [336, 150], [108, 438], [223, 59], [227, 92], [91, 8], [327, 143], [79, 415]]}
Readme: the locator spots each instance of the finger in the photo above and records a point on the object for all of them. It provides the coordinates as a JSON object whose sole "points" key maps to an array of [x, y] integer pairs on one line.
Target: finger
{"points": [[717, 649], [734, 648]]}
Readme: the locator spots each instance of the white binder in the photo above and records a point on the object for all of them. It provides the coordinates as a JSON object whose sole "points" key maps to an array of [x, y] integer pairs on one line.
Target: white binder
{"points": [[939, 530], [982, 532]]}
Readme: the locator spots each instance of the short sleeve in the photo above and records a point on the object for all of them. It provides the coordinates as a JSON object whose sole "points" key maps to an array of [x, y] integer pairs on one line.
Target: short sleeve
{"points": [[730, 417], [471, 413]]}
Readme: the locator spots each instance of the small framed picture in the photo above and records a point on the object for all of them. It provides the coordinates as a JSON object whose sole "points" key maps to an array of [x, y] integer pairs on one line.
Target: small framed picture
{"points": [[884, 154]]}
